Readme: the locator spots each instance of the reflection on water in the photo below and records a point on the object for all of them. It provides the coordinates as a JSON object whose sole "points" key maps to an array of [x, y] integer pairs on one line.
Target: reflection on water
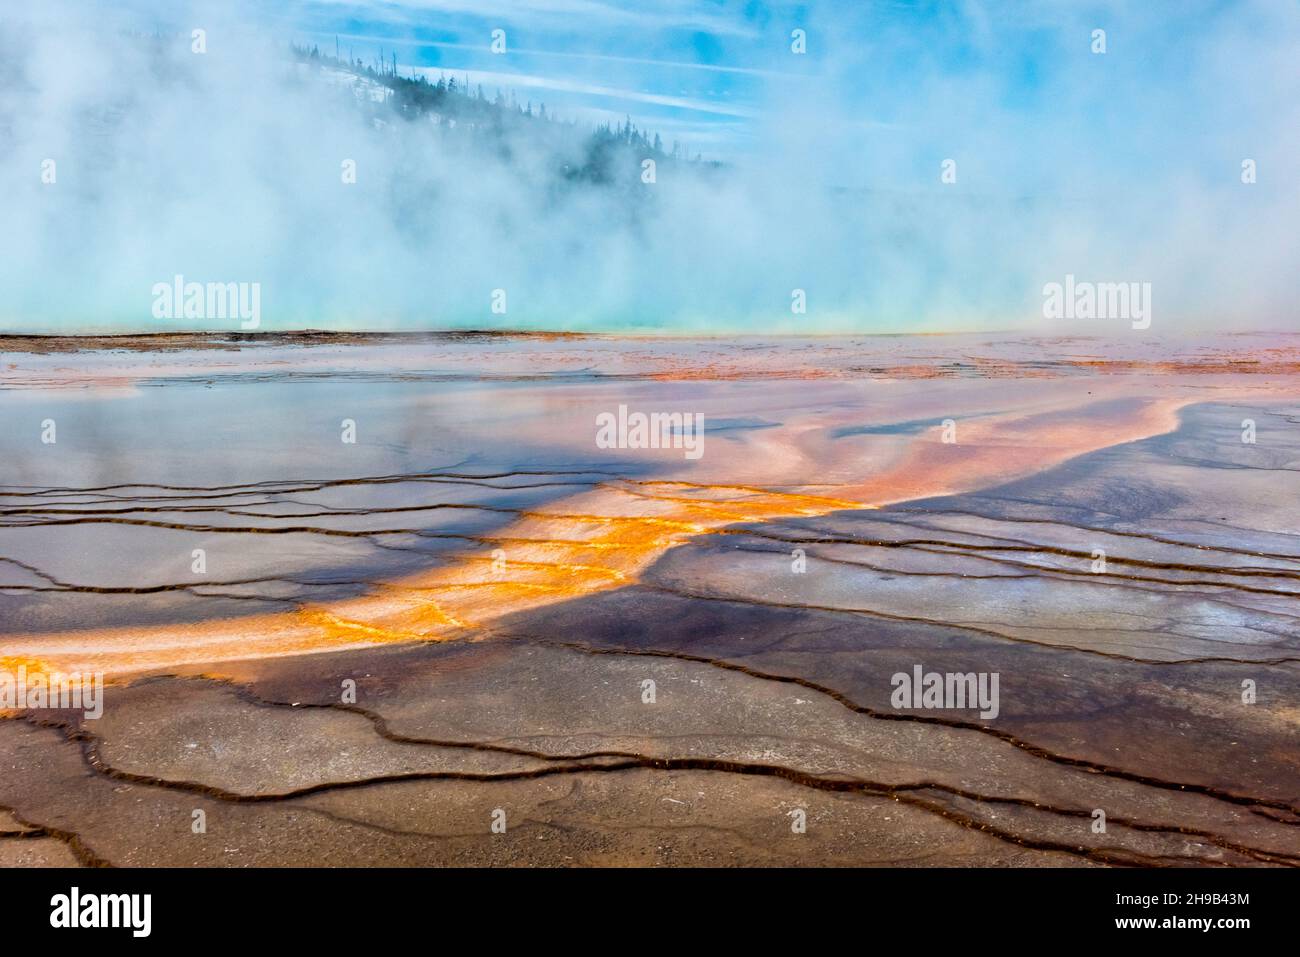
{"points": [[235, 507]]}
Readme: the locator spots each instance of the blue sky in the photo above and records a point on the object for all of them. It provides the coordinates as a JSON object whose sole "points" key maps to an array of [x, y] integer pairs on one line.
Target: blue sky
{"points": [[693, 71]]}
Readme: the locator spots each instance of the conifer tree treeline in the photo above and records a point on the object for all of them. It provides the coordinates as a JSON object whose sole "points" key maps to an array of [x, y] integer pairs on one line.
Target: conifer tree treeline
{"points": [[606, 154]]}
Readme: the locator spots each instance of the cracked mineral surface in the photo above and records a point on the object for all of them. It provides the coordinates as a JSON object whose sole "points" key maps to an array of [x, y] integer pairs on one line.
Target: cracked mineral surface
{"points": [[472, 636]]}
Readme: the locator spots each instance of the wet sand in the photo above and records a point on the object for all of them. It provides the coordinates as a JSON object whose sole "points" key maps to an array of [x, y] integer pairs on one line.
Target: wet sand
{"points": [[499, 589]]}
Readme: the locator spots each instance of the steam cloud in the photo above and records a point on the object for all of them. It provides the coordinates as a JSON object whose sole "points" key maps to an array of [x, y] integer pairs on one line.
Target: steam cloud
{"points": [[225, 167]]}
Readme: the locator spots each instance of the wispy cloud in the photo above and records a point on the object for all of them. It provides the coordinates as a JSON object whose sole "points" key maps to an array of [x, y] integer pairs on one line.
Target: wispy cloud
{"points": [[526, 81], [374, 39], [591, 14]]}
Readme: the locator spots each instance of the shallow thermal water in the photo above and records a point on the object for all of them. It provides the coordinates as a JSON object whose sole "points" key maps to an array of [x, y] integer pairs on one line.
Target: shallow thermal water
{"points": [[501, 587]]}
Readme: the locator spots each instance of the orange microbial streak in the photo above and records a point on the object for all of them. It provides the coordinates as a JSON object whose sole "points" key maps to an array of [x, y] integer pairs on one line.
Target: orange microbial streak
{"points": [[601, 539]]}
